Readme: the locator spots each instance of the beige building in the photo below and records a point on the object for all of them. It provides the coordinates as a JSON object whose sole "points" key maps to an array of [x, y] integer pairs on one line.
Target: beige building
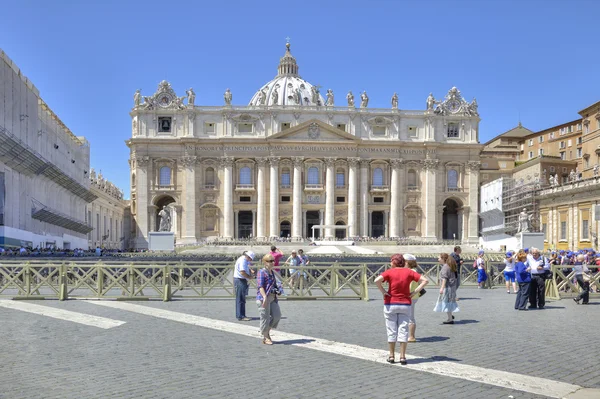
{"points": [[107, 215], [292, 159], [44, 182]]}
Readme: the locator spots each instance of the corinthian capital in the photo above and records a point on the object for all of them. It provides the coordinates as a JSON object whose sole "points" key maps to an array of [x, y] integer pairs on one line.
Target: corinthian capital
{"points": [[474, 165], [298, 161], [188, 161], [142, 162], [274, 161], [397, 163], [430, 164], [364, 163], [226, 161], [353, 161], [329, 162], [261, 161]]}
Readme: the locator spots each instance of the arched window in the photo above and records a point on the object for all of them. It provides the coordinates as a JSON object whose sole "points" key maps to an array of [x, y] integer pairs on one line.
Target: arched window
{"points": [[313, 175], [340, 178], [285, 177], [452, 179], [165, 176], [412, 179], [209, 177], [378, 177], [245, 175]]}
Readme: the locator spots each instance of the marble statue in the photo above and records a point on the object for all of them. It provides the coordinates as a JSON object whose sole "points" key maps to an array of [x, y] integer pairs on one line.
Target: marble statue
{"points": [[596, 170], [350, 98], [275, 96], [297, 96], [262, 97], [330, 100], [165, 219], [93, 174], [473, 107], [524, 222], [191, 96], [137, 98], [572, 176], [314, 94], [430, 102], [364, 100], [395, 101], [228, 97]]}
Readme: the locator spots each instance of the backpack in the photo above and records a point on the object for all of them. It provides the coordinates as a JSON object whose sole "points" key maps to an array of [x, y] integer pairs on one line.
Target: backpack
{"points": [[475, 263]]}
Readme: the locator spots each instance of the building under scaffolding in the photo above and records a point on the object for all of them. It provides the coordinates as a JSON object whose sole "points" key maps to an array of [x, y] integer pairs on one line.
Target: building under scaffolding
{"points": [[516, 196]]}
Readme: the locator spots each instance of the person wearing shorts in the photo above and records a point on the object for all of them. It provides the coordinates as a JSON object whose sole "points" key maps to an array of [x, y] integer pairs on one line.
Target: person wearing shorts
{"points": [[509, 272]]}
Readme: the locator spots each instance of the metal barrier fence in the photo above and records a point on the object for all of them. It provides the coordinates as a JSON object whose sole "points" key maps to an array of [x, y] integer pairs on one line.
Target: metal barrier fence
{"points": [[563, 284], [118, 280], [151, 280]]}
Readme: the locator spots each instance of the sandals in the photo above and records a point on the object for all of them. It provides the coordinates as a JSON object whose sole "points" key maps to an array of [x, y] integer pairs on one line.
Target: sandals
{"points": [[267, 341], [412, 340], [403, 361], [390, 359]]}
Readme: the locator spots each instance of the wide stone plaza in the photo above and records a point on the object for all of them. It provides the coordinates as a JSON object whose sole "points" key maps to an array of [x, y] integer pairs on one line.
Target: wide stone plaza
{"points": [[323, 349]]}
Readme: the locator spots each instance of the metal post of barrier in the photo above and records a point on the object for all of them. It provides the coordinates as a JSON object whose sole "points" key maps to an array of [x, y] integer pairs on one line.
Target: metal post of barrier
{"points": [[365, 283], [336, 277], [181, 276], [167, 283], [63, 291], [100, 282], [131, 275], [27, 278]]}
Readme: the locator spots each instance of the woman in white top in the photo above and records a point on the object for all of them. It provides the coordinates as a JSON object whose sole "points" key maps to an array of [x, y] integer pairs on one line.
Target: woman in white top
{"points": [[509, 272], [580, 270]]}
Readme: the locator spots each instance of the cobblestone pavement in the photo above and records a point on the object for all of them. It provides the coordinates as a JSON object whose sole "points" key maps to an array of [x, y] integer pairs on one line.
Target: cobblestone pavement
{"points": [[148, 357]]}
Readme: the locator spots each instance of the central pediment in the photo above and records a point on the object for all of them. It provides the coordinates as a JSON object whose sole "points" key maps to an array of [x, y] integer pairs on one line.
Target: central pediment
{"points": [[315, 131]]}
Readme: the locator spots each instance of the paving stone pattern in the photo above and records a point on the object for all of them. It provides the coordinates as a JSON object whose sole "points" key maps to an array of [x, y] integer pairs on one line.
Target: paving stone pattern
{"points": [[155, 358]]}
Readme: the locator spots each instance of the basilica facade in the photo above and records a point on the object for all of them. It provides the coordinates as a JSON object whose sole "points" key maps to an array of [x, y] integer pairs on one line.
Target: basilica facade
{"points": [[294, 163]]}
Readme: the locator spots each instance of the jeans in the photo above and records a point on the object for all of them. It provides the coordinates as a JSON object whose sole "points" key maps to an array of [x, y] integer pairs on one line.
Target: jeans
{"points": [[522, 296], [585, 289], [537, 292], [240, 286]]}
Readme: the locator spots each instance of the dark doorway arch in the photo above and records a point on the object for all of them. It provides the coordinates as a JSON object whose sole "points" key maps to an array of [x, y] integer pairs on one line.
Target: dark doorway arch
{"points": [[450, 227], [285, 229], [377, 224], [313, 218], [339, 233], [245, 224]]}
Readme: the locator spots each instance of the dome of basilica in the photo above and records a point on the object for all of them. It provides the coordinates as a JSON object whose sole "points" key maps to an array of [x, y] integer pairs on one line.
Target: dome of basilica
{"points": [[287, 88]]}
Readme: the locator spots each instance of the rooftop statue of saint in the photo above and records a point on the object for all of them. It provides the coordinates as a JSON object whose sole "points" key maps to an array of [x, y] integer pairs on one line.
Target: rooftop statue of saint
{"points": [[350, 98], [191, 96], [364, 100], [430, 102], [395, 101], [137, 98], [227, 97], [330, 98]]}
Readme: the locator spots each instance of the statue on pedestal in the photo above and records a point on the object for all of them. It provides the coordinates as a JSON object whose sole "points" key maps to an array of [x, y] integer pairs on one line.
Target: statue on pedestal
{"points": [[572, 176], [524, 222], [330, 98], [227, 97], [350, 98], [191, 96], [395, 101], [430, 102], [137, 98], [165, 219], [364, 100]]}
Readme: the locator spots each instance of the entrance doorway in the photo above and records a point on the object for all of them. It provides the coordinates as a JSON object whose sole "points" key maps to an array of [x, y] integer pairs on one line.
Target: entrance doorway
{"points": [[450, 229], [244, 224], [377, 224], [285, 229], [312, 219], [339, 233]]}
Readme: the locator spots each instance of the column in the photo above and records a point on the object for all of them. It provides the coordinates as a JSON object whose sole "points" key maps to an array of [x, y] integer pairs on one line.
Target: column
{"points": [[142, 194], [329, 197], [386, 215], [364, 197], [274, 199], [236, 219], [429, 197], [304, 232], [254, 223], [176, 218], [474, 167], [352, 200], [461, 224], [227, 189], [259, 227], [297, 199], [189, 230], [394, 203]]}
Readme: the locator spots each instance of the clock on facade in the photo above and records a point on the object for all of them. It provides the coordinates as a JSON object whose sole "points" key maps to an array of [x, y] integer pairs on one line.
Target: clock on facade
{"points": [[453, 106]]}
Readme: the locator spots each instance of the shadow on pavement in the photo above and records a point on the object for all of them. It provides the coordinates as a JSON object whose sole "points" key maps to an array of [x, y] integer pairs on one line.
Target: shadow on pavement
{"points": [[465, 321], [550, 307], [434, 359], [294, 341], [433, 339], [468, 299]]}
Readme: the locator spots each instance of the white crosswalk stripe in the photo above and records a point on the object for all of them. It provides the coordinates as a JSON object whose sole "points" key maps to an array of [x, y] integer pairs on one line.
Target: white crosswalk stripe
{"points": [[513, 381], [67, 315]]}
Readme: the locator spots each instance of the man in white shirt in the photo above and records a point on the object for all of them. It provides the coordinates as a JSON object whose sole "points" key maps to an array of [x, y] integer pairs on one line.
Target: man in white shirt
{"points": [[539, 267], [241, 274]]}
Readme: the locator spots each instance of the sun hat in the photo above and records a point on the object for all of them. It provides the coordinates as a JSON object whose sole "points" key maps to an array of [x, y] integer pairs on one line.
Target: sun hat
{"points": [[250, 254], [509, 254], [481, 252], [409, 257]]}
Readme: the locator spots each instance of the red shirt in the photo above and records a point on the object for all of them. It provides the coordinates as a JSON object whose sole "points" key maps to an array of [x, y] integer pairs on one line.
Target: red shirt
{"points": [[399, 279]]}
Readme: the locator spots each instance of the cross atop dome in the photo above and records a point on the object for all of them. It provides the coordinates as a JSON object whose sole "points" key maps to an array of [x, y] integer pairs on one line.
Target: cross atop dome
{"points": [[287, 63]]}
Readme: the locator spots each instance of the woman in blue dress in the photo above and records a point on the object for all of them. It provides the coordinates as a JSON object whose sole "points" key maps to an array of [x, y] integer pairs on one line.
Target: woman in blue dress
{"points": [[481, 274]]}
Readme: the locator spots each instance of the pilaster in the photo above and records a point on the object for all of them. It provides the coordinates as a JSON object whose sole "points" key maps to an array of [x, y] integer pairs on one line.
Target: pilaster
{"points": [[274, 198], [352, 200], [364, 197], [297, 199], [189, 230], [260, 199], [329, 197], [430, 197], [142, 198], [474, 167], [227, 165]]}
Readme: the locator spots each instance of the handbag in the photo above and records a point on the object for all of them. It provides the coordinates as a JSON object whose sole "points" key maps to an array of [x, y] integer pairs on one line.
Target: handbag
{"points": [[422, 292], [586, 278]]}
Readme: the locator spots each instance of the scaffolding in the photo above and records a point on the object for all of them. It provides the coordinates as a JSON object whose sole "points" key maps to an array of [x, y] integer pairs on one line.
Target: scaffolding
{"points": [[516, 196]]}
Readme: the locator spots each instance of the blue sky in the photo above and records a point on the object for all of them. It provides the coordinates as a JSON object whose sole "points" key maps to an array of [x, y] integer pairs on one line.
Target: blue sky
{"points": [[537, 60]]}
